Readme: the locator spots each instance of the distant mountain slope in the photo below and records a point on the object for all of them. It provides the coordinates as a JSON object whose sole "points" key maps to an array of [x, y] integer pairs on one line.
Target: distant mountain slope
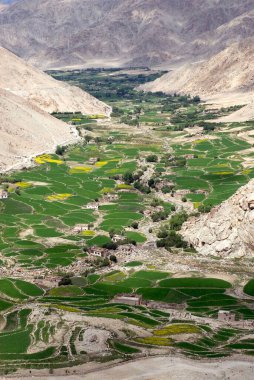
{"points": [[42, 90], [122, 32], [226, 231], [244, 114], [26, 131], [231, 70]]}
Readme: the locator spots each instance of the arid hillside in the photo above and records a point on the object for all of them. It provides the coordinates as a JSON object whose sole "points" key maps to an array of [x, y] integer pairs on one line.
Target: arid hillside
{"points": [[122, 32], [227, 230], [232, 70], [26, 131], [40, 89]]}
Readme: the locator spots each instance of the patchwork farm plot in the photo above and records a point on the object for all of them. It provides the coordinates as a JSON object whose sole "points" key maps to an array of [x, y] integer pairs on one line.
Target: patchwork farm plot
{"points": [[30, 336], [213, 170], [55, 197], [92, 227]]}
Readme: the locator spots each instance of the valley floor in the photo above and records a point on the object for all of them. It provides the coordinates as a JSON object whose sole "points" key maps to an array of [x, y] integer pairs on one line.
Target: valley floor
{"points": [[100, 222]]}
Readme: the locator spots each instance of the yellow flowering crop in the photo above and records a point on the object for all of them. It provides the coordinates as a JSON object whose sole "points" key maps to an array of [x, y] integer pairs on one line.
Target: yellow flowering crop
{"points": [[46, 158], [87, 233], [80, 169], [59, 197]]}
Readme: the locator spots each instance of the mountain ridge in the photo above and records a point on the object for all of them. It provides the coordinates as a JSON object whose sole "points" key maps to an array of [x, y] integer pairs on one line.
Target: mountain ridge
{"points": [[123, 33]]}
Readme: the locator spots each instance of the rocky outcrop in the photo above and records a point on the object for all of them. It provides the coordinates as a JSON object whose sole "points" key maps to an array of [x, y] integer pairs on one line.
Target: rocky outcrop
{"points": [[226, 231]]}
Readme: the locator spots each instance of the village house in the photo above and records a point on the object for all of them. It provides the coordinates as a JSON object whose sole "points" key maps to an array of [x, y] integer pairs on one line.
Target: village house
{"points": [[126, 249], [80, 228], [92, 206], [117, 238], [189, 156], [98, 251], [110, 197], [128, 299], [149, 244], [4, 194], [182, 192], [161, 184], [226, 316], [93, 160]]}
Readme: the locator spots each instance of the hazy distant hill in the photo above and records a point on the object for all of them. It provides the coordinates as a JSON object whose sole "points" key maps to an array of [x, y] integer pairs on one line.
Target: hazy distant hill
{"points": [[122, 32]]}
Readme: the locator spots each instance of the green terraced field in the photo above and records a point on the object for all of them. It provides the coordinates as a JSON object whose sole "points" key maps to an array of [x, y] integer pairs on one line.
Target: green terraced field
{"points": [[38, 232]]}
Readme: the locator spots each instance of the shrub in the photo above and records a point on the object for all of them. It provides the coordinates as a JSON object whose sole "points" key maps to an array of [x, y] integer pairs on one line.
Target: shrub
{"points": [[160, 215], [110, 245], [142, 188], [152, 158], [135, 225], [113, 258], [128, 178], [204, 208], [66, 280], [60, 150], [172, 240], [177, 220]]}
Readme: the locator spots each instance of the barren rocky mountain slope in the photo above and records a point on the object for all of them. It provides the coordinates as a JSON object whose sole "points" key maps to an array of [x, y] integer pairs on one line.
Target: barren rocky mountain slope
{"points": [[40, 89], [227, 230], [125, 32], [244, 114], [26, 130], [231, 70]]}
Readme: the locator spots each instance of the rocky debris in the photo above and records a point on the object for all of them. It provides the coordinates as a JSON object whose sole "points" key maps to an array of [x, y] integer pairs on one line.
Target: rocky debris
{"points": [[226, 231], [93, 340]]}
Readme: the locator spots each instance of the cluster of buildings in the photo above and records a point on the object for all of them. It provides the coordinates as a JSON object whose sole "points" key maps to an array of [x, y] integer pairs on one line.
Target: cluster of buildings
{"points": [[79, 228], [4, 194], [99, 252], [92, 206], [128, 299], [107, 198], [226, 316]]}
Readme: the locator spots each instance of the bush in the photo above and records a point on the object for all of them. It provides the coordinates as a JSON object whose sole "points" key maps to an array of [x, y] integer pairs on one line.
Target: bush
{"points": [[166, 189], [135, 225], [142, 188], [172, 240], [110, 245], [128, 178], [204, 208], [152, 158], [60, 150], [177, 220], [66, 280], [113, 258], [156, 202], [160, 215]]}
